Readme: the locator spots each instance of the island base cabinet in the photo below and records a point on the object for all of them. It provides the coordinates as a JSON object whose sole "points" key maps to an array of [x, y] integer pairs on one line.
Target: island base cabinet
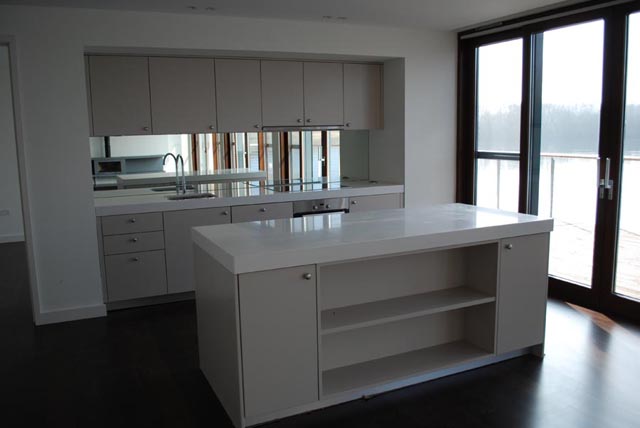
{"points": [[135, 275], [278, 324], [522, 297]]}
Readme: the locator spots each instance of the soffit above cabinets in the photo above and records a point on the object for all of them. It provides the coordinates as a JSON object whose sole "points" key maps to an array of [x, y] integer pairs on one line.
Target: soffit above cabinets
{"points": [[422, 14]]}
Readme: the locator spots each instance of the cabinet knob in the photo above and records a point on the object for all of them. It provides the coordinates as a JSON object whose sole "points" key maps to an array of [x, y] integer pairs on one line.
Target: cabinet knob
{"points": [[135, 259], [348, 124], [146, 128], [354, 202], [132, 220], [263, 210], [299, 120], [256, 126], [307, 276], [134, 239], [225, 212], [308, 120], [315, 207], [508, 246], [212, 127]]}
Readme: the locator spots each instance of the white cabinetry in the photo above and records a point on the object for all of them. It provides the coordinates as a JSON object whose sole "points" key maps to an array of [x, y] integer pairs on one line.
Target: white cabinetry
{"points": [[279, 339], [182, 95], [244, 213], [120, 101], [323, 94], [363, 96], [375, 202], [238, 95], [282, 93], [179, 246]]}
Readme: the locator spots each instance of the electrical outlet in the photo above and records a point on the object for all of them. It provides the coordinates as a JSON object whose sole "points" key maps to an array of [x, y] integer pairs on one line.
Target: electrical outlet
{"points": [[4, 213]]}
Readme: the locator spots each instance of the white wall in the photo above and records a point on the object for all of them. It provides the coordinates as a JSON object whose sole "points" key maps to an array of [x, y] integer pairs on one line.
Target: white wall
{"points": [[51, 43], [11, 228]]}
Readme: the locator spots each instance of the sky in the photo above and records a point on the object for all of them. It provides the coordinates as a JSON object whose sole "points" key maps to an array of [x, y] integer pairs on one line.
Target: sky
{"points": [[572, 68]]}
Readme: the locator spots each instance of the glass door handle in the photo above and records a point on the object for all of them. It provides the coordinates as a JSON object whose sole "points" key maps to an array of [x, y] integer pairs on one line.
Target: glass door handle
{"points": [[605, 182]]}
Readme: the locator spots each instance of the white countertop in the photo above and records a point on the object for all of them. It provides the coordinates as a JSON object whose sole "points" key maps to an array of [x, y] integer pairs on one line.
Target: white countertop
{"points": [[222, 175], [143, 200], [273, 244]]}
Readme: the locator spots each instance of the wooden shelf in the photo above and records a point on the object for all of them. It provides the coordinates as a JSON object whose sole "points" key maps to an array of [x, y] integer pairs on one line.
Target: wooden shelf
{"points": [[383, 311], [399, 367]]}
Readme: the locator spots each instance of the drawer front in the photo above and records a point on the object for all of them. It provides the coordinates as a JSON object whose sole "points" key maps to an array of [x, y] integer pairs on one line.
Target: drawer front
{"points": [[131, 223], [245, 213], [133, 243], [135, 275], [375, 202]]}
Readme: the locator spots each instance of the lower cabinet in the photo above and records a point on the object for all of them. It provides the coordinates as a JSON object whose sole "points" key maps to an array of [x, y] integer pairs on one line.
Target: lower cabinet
{"points": [[244, 213], [522, 297], [135, 275], [179, 246], [278, 318], [375, 202]]}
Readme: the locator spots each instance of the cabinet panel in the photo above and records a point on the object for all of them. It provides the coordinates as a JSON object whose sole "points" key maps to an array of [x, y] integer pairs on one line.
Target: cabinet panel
{"points": [[522, 295], [246, 213], [133, 242], [179, 245], [375, 202], [135, 275], [282, 93], [120, 100], [363, 96], [278, 319], [131, 223], [323, 93], [238, 95], [182, 95]]}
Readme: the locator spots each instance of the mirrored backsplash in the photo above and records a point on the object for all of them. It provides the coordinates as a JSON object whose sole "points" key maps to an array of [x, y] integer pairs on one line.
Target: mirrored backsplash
{"points": [[290, 155]]}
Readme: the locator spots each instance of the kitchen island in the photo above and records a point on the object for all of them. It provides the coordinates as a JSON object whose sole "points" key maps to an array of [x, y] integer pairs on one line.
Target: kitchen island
{"points": [[299, 314]]}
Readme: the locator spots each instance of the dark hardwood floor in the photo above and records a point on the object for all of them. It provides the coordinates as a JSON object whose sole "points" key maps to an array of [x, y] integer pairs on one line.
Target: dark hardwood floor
{"points": [[139, 368]]}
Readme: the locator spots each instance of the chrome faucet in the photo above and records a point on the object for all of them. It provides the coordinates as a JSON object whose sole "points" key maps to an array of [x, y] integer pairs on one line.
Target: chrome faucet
{"points": [[179, 184]]}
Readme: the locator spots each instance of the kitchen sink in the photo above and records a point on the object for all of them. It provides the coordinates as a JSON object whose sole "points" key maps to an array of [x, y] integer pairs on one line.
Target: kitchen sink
{"points": [[184, 196]]}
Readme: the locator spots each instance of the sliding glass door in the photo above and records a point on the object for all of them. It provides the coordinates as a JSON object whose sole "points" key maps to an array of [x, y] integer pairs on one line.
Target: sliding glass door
{"points": [[549, 124]]}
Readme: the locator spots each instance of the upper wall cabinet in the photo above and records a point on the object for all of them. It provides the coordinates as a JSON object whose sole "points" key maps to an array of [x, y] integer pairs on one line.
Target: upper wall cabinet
{"points": [[323, 93], [363, 96], [282, 93], [182, 95], [238, 95], [120, 101]]}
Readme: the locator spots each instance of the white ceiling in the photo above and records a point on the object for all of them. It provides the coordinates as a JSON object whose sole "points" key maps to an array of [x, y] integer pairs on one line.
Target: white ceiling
{"points": [[431, 14]]}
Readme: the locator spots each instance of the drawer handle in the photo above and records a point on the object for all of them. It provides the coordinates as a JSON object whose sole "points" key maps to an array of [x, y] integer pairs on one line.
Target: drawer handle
{"points": [[509, 246], [134, 240], [135, 259], [307, 276], [132, 220], [146, 128], [225, 212], [263, 210]]}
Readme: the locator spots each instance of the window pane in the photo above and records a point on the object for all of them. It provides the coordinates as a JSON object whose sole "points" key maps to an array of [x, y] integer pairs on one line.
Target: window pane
{"points": [[333, 140], [570, 134], [497, 184], [628, 258], [499, 96]]}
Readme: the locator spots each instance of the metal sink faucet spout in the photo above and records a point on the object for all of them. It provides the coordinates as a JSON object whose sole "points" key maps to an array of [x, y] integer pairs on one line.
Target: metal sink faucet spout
{"points": [[181, 185]]}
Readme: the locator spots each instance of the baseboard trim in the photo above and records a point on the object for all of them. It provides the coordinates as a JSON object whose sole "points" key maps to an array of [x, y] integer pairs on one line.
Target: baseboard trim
{"points": [[72, 314], [6, 239]]}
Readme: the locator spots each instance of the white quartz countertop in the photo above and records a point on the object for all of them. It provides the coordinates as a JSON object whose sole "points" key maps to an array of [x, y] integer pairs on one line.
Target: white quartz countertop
{"points": [[223, 175], [273, 244], [144, 200]]}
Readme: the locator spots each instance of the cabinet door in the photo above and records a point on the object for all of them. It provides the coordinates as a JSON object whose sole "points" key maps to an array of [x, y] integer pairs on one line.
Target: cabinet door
{"points": [[362, 96], [323, 100], [182, 95], [282, 93], [179, 246], [135, 275], [238, 95], [278, 319], [375, 202], [120, 101], [522, 294]]}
